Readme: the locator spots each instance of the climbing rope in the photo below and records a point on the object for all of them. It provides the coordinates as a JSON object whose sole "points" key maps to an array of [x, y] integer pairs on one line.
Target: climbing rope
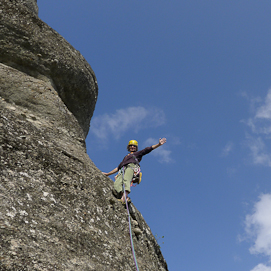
{"points": [[130, 229], [129, 220]]}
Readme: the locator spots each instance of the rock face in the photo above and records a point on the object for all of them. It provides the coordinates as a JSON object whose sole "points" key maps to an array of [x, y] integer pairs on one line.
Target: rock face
{"points": [[31, 5], [57, 211], [31, 46]]}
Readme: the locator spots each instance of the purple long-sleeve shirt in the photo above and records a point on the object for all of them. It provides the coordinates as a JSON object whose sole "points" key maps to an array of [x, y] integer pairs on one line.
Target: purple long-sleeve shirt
{"points": [[129, 158]]}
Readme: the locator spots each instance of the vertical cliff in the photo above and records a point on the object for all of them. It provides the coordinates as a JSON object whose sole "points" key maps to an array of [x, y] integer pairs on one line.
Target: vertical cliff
{"points": [[57, 210]]}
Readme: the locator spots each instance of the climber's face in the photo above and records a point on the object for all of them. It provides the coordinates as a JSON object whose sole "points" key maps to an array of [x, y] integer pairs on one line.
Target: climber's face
{"points": [[132, 148]]}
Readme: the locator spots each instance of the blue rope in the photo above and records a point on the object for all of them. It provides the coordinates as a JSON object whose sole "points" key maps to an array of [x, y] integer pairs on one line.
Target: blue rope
{"points": [[130, 228]]}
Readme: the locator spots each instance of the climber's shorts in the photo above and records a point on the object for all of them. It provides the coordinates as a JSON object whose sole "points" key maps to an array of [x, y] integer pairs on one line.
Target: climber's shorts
{"points": [[126, 180]]}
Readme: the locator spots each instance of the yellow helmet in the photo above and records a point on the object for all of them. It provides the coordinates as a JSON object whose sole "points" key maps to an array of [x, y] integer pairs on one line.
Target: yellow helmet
{"points": [[132, 142]]}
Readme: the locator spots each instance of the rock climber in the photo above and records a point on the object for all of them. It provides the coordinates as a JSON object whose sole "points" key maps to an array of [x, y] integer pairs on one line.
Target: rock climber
{"points": [[129, 165]]}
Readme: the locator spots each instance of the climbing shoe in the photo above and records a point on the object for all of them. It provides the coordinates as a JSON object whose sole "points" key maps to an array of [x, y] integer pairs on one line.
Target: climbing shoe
{"points": [[116, 194]]}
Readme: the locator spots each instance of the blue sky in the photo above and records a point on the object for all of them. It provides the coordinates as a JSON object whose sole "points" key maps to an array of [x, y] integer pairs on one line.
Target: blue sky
{"points": [[197, 73]]}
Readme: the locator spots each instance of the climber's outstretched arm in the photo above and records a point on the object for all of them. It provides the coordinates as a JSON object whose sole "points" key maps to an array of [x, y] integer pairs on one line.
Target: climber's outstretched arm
{"points": [[162, 141], [111, 172]]}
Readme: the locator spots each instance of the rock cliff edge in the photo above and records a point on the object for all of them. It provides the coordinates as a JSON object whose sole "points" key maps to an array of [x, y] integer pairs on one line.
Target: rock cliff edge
{"points": [[57, 210]]}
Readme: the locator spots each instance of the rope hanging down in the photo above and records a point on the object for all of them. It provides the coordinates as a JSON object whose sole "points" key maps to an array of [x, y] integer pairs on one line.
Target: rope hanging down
{"points": [[130, 228]]}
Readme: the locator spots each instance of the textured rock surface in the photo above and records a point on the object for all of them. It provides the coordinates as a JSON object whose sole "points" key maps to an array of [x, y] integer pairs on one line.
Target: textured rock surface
{"points": [[31, 46], [31, 5], [57, 211]]}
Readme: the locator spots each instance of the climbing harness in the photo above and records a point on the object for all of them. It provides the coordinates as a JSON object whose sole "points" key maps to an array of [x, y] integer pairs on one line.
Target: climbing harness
{"points": [[130, 230], [137, 173], [136, 176]]}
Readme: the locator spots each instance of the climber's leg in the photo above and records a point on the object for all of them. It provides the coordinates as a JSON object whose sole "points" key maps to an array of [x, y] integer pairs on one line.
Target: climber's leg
{"points": [[118, 184]]}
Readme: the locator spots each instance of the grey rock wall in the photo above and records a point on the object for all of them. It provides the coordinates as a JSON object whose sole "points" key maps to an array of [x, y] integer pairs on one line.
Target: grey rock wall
{"points": [[31, 46], [31, 5], [57, 211]]}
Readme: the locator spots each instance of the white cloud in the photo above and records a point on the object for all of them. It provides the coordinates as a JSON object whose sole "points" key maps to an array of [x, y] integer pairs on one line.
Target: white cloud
{"points": [[261, 122], [163, 155], [259, 152], [227, 149], [258, 227], [123, 120], [264, 112], [261, 267], [258, 224], [260, 125]]}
